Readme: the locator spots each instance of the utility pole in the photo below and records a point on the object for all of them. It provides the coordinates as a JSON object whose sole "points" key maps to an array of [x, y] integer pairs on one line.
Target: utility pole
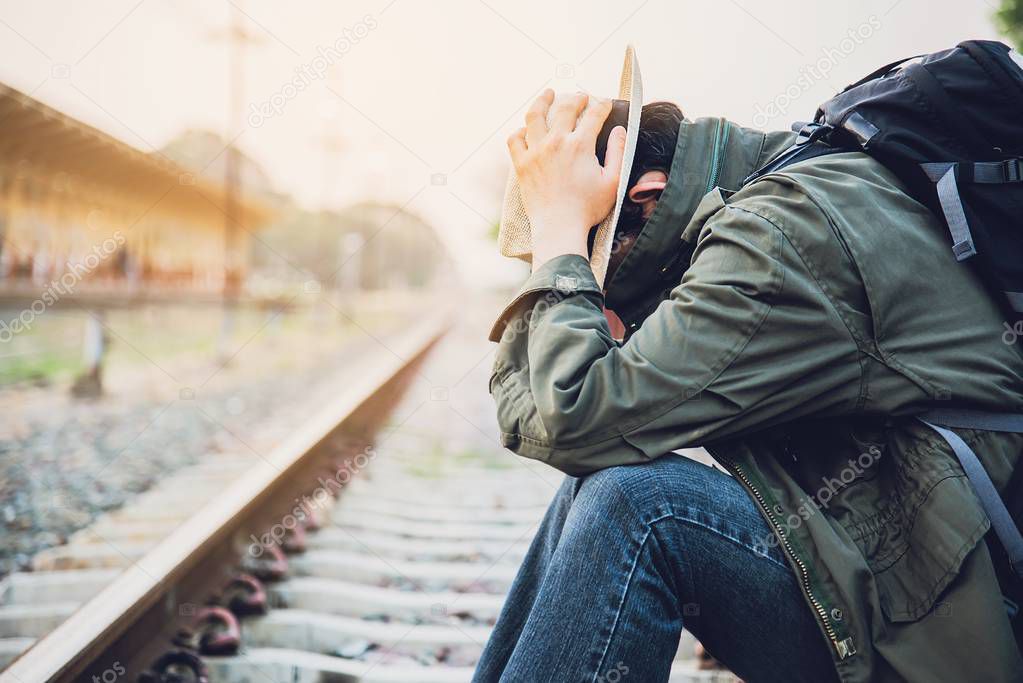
{"points": [[238, 38], [332, 145]]}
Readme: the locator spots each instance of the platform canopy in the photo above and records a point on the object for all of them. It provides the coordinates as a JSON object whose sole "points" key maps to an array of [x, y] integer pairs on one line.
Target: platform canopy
{"points": [[67, 187]]}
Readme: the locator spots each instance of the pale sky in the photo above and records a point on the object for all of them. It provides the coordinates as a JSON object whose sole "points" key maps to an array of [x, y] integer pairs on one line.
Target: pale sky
{"points": [[425, 92]]}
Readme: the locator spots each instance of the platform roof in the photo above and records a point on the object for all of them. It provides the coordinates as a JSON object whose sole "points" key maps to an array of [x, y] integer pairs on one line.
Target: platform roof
{"points": [[44, 138]]}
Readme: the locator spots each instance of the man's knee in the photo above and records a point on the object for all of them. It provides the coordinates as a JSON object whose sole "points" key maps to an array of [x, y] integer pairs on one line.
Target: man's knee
{"points": [[634, 491]]}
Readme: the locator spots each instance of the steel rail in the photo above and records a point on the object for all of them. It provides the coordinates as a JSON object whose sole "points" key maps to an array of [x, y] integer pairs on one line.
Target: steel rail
{"points": [[133, 617]]}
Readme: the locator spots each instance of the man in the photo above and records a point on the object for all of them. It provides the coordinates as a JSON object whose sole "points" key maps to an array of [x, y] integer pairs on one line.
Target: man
{"points": [[793, 328]]}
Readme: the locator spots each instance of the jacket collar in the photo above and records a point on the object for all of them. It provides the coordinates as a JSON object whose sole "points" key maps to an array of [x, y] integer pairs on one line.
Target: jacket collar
{"points": [[710, 152]]}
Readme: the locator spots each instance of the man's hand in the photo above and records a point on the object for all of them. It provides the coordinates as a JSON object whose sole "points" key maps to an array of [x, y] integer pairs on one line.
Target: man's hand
{"points": [[565, 189]]}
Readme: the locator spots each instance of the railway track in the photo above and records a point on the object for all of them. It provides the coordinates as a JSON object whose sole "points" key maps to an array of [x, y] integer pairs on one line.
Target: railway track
{"points": [[376, 545]]}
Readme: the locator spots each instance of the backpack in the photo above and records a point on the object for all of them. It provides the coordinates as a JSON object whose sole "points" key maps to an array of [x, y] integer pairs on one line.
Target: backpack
{"points": [[950, 125]]}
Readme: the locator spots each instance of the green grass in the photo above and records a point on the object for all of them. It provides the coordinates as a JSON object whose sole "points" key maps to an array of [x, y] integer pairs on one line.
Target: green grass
{"points": [[45, 368], [51, 349]]}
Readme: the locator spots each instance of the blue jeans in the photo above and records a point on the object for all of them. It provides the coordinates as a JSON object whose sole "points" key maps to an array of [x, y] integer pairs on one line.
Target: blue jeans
{"points": [[629, 556]]}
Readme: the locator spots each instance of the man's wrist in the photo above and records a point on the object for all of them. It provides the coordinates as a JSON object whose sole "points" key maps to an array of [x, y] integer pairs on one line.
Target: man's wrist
{"points": [[557, 240]]}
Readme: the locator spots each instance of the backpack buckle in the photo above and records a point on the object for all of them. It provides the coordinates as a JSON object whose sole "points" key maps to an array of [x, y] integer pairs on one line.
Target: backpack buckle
{"points": [[984, 172], [810, 132], [1014, 170]]}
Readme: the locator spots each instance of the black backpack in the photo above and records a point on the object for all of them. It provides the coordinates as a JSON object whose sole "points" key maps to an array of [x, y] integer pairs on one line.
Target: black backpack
{"points": [[950, 126]]}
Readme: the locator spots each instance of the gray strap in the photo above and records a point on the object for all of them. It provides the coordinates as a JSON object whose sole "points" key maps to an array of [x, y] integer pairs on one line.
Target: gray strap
{"points": [[960, 418], [997, 172], [1015, 300], [952, 206], [992, 503], [934, 170], [980, 172]]}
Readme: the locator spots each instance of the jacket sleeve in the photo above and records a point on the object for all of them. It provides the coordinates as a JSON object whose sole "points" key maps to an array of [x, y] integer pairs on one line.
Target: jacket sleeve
{"points": [[746, 339]]}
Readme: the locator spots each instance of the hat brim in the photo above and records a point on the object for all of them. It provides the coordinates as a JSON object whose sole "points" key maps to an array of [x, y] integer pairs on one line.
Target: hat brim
{"points": [[515, 236]]}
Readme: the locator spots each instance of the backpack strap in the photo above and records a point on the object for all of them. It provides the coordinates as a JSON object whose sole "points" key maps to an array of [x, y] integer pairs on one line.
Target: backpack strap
{"points": [[992, 172], [939, 420], [808, 145], [944, 175], [947, 175], [1015, 300], [980, 172]]}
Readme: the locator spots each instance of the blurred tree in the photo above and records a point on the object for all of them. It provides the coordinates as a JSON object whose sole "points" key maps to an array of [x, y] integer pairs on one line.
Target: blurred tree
{"points": [[1009, 18], [203, 151], [396, 248]]}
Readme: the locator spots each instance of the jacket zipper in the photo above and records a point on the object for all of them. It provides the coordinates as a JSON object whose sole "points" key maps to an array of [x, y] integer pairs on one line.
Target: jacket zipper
{"points": [[845, 647], [720, 138]]}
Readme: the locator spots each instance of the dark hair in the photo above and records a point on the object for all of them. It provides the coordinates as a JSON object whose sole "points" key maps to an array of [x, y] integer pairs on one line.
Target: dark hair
{"points": [[655, 149]]}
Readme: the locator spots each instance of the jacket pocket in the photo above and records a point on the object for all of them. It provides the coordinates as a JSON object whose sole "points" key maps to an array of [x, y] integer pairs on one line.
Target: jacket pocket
{"points": [[929, 521], [940, 536], [517, 417]]}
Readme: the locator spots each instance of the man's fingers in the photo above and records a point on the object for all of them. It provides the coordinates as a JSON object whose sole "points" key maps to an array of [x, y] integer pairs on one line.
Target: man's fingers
{"points": [[566, 112], [593, 120], [615, 154], [536, 117], [517, 145]]}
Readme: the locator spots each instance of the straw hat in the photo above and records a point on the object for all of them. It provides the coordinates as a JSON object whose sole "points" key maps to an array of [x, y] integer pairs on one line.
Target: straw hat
{"points": [[515, 236]]}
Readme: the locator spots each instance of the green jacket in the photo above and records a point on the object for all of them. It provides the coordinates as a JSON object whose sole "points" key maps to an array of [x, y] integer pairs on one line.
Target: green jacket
{"points": [[792, 328]]}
